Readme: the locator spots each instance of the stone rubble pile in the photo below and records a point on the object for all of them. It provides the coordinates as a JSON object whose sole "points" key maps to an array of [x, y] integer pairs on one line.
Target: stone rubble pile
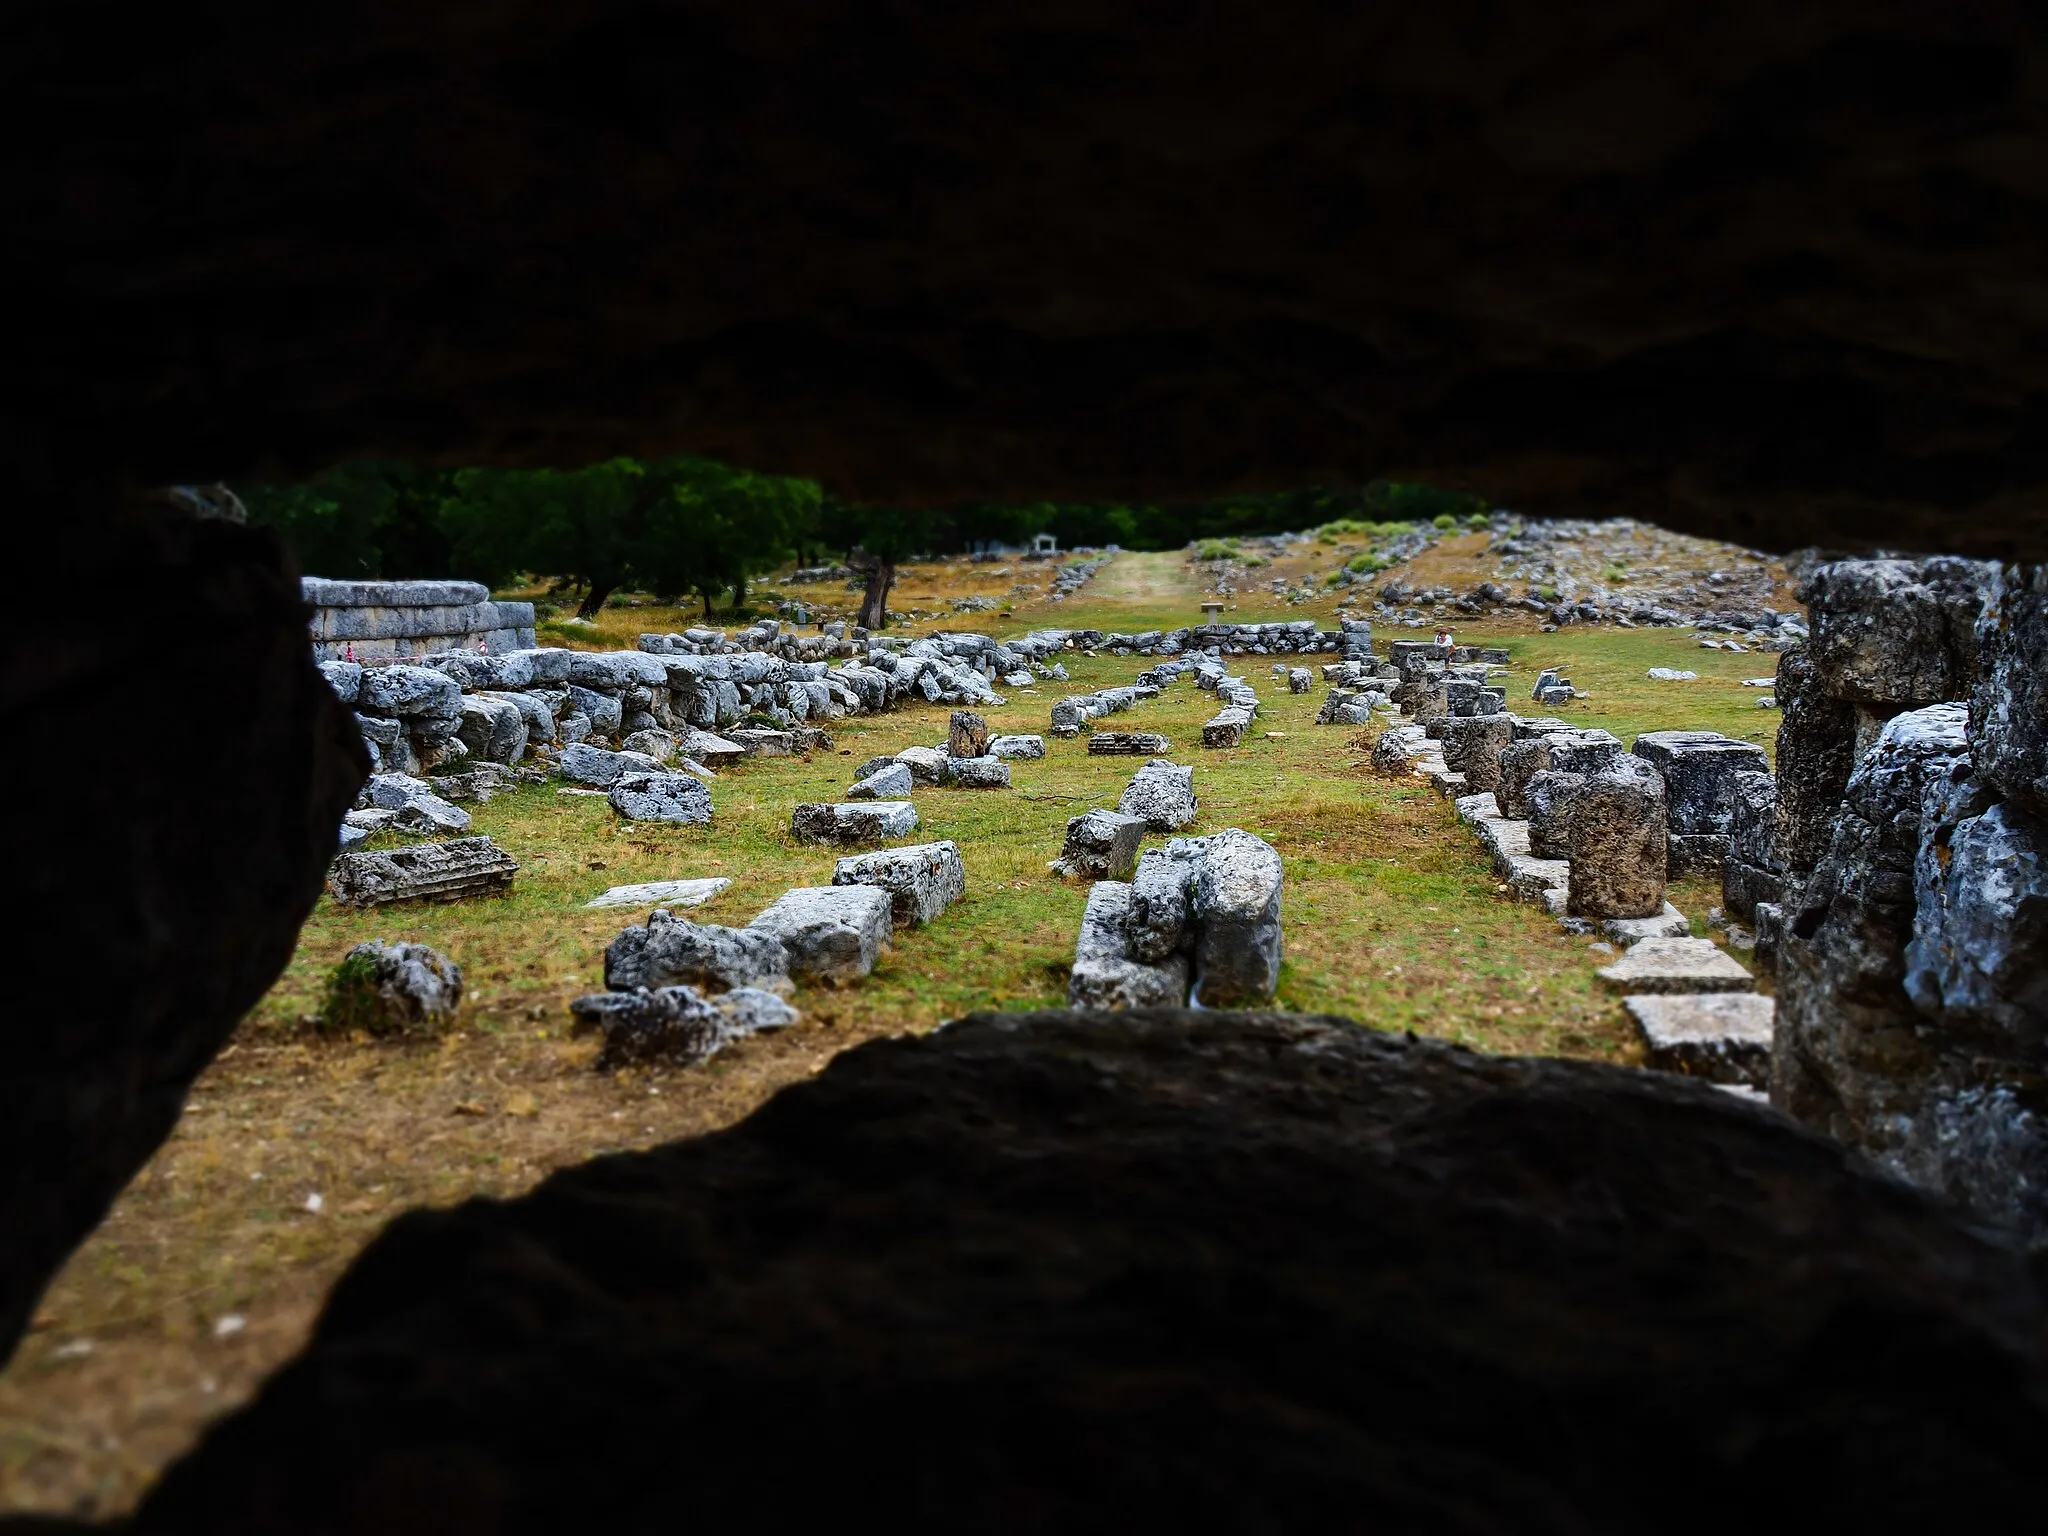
{"points": [[1198, 925], [1072, 576]]}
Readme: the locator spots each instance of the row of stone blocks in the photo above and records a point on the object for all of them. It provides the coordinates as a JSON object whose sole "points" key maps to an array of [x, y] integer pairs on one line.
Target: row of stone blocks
{"points": [[374, 619]]}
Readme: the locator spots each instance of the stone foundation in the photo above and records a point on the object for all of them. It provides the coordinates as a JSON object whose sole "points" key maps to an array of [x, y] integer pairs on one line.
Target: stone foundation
{"points": [[370, 620]]}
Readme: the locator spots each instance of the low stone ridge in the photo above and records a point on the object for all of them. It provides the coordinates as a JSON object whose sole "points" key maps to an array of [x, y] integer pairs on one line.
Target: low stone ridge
{"points": [[1127, 744], [386, 989], [922, 879], [832, 933], [1101, 845], [662, 893], [673, 797], [669, 951], [874, 821], [454, 870], [890, 781], [1677, 965], [1163, 794], [1105, 974], [1378, 1221], [1724, 1037]]}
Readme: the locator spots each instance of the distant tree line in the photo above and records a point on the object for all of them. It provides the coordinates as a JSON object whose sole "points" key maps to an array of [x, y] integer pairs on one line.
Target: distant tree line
{"points": [[691, 526]]}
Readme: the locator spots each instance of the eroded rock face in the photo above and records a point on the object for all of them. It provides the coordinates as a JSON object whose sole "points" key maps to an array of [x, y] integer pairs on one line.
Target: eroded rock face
{"points": [[187, 878], [1896, 632], [1472, 746], [1816, 755], [1128, 1269], [2009, 705], [1615, 838]]}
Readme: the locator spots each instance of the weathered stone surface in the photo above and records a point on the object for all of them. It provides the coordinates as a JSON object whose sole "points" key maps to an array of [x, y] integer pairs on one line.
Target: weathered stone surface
{"points": [[1377, 1222], [1158, 921], [596, 766], [386, 988], [1013, 747], [675, 797], [927, 765], [832, 933], [966, 734], [891, 781], [1615, 841], [671, 951], [1896, 632], [672, 1025], [405, 690], [1101, 845], [750, 1010], [1816, 755], [1226, 728], [760, 741], [1397, 749], [873, 821], [661, 746], [1237, 911], [711, 750], [414, 805], [1677, 965], [922, 879], [493, 729], [662, 893], [1163, 794], [448, 871], [1472, 746], [1670, 923], [977, 773], [1105, 975], [1724, 1037], [1699, 769], [1127, 744], [1550, 794], [1518, 763], [2009, 704]]}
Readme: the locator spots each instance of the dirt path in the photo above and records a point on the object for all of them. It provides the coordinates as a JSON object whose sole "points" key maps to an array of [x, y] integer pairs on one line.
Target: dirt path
{"points": [[1146, 580]]}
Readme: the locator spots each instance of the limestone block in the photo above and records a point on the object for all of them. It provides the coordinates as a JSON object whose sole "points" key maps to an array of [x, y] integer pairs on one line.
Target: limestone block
{"points": [[1699, 768], [966, 734], [1299, 680], [1816, 755], [662, 893], [1015, 747], [671, 797], [1472, 746], [1226, 728], [493, 728], [832, 933], [601, 768], [1237, 909], [407, 690], [759, 741], [1163, 794], [1158, 920], [871, 821], [1677, 965], [1101, 845], [927, 765], [891, 781], [922, 879], [977, 773], [385, 988], [669, 950], [1723, 1037], [1127, 744], [1615, 840], [1667, 924], [446, 871], [1105, 975]]}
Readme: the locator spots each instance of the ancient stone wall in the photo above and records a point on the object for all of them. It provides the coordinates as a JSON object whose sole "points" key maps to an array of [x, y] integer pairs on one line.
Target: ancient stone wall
{"points": [[371, 620]]}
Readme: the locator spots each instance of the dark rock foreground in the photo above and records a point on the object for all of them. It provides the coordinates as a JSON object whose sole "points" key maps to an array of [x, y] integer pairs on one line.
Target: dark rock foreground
{"points": [[1071, 1271]]}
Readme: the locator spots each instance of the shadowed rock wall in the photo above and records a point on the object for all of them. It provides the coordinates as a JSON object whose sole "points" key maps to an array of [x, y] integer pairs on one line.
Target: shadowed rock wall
{"points": [[158, 868], [1087, 1271], [1766, 271]]}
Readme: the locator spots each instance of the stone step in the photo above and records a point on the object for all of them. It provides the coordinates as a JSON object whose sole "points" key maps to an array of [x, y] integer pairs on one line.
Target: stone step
{"points": [[1474, 809], [1724, 1037], [1677, 965]]}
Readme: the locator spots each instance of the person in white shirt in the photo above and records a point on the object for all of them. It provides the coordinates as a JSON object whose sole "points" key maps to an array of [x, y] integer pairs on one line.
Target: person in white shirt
{"points": [[1446, 647]]}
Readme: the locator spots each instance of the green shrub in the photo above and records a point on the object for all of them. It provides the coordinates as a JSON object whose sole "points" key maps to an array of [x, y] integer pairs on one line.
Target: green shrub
{"points": [[1478, 520], [1330, 532], [1251, 562], [351, 1001], [1444, 520], [1615, 573], [1216, 549]]}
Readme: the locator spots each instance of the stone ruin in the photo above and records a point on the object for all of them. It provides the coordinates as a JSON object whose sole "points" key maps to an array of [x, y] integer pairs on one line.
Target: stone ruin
{"points": [[380, 620]]}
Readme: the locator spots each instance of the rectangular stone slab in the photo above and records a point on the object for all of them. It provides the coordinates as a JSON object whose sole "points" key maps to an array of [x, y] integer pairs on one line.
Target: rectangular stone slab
{"points": [[832, 933], [1128, 744], [662, 893], [1677, 965], [873, 821], [1724, 1037], [447, 871]]}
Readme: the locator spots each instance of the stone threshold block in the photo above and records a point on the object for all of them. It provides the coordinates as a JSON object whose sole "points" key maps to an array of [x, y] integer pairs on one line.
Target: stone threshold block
{"points": [[1677, 965], [1446, 783], [662, 893], [1668, 924], [1474, 809], [922, 879], [872, 821], [1128, 744], [1723, 1037], [451, 871]]}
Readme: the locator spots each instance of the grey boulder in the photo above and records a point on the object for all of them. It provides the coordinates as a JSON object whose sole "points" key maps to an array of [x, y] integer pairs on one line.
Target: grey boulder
{"points": [[831, 933], [671, 950], [675, 797], [922, 879], [386, 988], [1101, 845], [1162, 794], [1105, 975], [890, 781]]}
